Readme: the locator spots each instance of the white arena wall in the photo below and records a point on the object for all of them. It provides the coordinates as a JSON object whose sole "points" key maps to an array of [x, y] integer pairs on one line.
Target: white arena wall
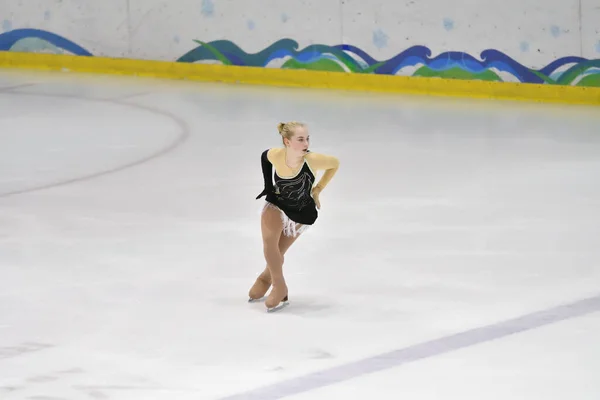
{"points": [[530, 41]]}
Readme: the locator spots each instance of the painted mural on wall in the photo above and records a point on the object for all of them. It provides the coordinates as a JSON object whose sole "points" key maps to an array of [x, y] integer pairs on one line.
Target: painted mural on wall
{"points": [[34, 40], [492, 65]]}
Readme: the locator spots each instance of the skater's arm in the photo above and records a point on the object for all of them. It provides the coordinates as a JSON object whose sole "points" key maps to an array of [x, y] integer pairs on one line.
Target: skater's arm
{"points": [[329, 164], [267, 170]]}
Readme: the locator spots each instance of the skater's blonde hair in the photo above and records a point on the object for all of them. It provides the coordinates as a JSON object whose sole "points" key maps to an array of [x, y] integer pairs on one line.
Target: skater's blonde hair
{"points": [[287, 129]]}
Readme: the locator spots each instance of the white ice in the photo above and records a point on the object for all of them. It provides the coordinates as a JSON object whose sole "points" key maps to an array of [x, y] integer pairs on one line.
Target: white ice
{"points": [[129, 237]]}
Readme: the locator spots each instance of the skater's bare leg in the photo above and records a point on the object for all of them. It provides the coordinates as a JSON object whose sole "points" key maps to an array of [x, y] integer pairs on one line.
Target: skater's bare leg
{"points": [[263, 281], [285, 242], [272, 227]]}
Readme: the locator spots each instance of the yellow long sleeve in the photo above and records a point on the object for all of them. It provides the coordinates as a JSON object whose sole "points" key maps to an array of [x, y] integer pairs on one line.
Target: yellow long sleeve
{"points": [[329, 164]]}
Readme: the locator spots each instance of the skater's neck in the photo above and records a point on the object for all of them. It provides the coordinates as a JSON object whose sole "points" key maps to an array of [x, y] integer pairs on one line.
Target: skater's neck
{"points": [[293, 159]]}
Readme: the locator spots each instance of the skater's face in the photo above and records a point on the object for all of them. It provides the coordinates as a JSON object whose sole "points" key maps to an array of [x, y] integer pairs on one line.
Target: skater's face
{"points": [[300, 141]]}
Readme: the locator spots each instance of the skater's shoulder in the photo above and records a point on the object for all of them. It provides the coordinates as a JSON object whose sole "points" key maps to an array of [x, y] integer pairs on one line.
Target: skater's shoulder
{"points": [[322, 158], [274, 152]]}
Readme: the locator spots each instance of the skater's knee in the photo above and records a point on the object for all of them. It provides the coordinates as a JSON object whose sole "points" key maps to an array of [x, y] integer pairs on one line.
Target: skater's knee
{"points": [[270, 240], [271, 249], [272, 254]]}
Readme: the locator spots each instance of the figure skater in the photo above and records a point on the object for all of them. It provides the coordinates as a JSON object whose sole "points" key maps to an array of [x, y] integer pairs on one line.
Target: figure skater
{"points": [[291, 204]]}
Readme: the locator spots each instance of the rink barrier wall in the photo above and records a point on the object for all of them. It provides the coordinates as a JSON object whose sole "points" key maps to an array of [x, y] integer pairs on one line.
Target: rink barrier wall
{"points": [[304, 78]]}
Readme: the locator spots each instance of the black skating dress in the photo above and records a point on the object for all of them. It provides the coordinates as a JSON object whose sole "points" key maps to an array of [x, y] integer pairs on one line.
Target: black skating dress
{"points": [[292, 195]]}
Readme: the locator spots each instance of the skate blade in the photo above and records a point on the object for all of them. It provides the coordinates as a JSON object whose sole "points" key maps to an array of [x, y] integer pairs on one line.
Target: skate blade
{"points": [[251, 300], [278, 307]]}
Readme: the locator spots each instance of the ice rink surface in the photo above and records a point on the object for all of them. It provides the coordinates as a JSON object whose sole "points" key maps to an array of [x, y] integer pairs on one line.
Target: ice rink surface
{"points": [[456, 256]]}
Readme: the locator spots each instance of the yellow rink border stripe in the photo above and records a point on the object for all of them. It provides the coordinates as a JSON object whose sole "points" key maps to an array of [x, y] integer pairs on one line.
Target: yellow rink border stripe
{"points": [[304, 78]]}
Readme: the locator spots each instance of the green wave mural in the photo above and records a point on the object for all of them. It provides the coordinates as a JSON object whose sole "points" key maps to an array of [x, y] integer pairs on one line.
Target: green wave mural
{"points": [[490, 65], [493, 65]]}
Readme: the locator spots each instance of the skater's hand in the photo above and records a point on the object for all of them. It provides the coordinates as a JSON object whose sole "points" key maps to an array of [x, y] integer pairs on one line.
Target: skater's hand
{"points": [[315, 194], [263, 193]]}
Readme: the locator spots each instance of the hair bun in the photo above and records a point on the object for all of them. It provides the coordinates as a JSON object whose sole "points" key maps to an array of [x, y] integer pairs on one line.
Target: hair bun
{"points": [[280, 127]]}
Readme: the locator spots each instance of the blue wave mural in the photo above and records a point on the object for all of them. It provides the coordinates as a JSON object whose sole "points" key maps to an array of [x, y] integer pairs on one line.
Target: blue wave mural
{"points": [[491, 65], [35, 40]]}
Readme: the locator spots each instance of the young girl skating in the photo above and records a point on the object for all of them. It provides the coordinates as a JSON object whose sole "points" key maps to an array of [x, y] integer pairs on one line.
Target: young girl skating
{"points": [[291, 204]]}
